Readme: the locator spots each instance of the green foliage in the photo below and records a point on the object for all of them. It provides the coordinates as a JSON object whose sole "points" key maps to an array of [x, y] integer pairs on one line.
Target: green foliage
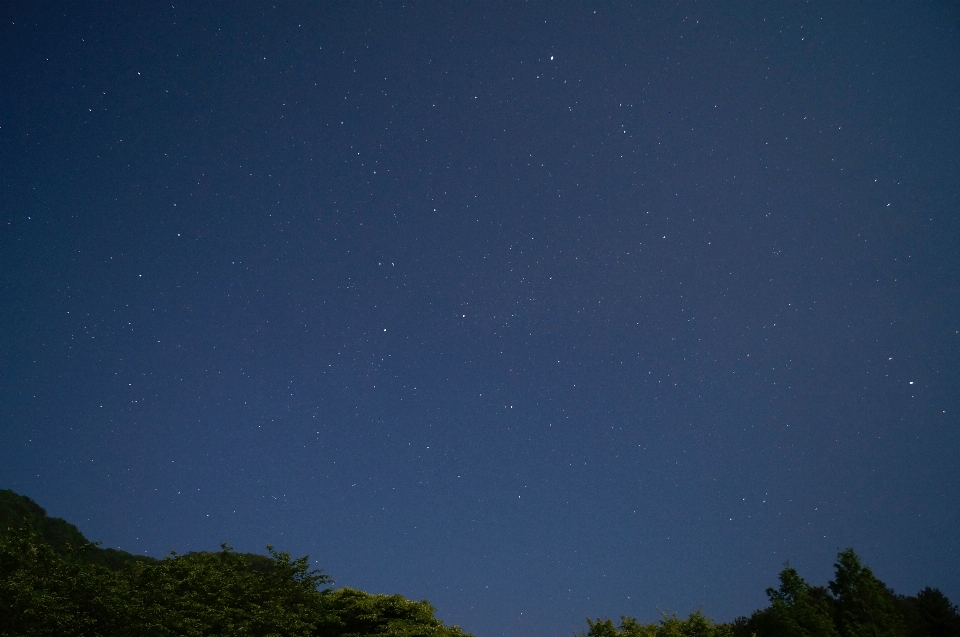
{"points": [[865, 606], [352, 613], [45, 593], [696, 625], [930, 614], [59, 591], [20, 512], [856, 604], [220, 594], [53, 582], [796, 609]]}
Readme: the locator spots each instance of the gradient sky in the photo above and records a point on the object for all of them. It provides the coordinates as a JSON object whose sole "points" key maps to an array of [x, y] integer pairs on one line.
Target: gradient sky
{"points": [[537, 310]]}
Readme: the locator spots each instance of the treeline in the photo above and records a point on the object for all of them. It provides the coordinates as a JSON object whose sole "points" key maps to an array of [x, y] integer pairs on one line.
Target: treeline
{"points": [[854, 604], [54, 582]]}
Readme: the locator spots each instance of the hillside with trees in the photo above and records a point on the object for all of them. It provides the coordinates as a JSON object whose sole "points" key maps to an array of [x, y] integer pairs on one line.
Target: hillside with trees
{"points": [[854, 604], [55, 582]]}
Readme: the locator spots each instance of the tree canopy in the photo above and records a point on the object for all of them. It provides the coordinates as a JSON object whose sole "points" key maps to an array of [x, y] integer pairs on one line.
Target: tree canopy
{"points": [[854, 604], [54, 582]]}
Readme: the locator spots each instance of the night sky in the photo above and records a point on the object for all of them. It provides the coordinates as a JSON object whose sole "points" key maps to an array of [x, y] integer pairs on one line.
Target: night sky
{"points": [[539, 311]]}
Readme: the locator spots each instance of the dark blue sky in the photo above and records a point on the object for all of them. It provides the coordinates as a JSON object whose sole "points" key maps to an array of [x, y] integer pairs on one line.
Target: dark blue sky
{"points": [[537, 310]]}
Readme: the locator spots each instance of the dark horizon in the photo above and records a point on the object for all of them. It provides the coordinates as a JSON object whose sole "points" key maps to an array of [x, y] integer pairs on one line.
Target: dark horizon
{"points": [[538, 311]]}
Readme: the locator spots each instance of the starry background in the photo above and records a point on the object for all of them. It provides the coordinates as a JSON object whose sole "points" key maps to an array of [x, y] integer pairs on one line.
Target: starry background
{"points": [[537, 310]]}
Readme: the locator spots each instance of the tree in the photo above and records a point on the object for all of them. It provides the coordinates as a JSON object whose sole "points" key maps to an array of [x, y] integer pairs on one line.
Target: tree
{"points": [[796, 610], [45, 593], [224, 594], [930, 614], [20, 512], [865, 606], [348, 612], [696, 625]]}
